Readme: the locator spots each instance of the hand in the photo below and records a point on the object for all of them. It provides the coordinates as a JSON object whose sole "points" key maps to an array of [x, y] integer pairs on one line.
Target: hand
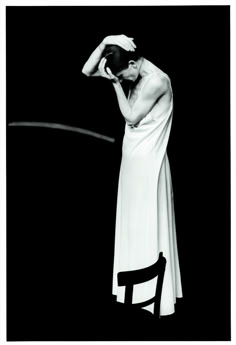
{"points": [[120, 40], [107, 73]]}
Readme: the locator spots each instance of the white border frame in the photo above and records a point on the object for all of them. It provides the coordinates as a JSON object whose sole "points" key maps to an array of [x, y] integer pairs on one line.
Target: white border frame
{"points": [[3, 5]]}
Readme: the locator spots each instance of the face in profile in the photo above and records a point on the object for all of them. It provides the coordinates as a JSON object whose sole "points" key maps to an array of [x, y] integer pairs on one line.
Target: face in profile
{"points": [[130, 73]]}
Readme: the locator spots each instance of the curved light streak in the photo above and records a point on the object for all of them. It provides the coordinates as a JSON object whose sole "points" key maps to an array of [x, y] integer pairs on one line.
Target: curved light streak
{"points": [[63, 127]]}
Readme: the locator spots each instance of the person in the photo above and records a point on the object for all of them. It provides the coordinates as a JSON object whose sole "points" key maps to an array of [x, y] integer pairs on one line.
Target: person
{"points": [[145, 218]]}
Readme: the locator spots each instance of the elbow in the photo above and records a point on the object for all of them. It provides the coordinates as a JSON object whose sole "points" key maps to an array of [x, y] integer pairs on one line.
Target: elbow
{"points": [[85, 72], [128, 118], [130, 122], [133, 120]]}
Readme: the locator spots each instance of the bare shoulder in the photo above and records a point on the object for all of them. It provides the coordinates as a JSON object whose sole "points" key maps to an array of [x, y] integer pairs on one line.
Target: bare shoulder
{"points": [[157, 82]]}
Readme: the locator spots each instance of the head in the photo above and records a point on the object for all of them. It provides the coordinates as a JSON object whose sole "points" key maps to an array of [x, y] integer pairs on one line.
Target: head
{"points": [[124, 64]]}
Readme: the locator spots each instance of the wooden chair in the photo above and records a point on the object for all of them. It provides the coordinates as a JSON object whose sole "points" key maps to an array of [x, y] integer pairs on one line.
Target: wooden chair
{"points": [[131, 278]]}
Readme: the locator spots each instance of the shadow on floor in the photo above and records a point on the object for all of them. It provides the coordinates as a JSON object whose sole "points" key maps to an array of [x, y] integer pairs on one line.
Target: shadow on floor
{"points": [[110, 322]]}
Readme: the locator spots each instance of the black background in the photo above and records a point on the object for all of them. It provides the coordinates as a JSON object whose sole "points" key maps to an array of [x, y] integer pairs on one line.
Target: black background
{"points": [[61, 186]]}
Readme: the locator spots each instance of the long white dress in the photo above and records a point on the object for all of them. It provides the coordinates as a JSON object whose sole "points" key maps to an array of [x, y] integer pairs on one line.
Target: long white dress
{"points": [[145, 219]]}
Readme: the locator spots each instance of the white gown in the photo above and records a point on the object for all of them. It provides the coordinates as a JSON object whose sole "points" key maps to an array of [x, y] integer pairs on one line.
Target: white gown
{"points": [[145, 220]]}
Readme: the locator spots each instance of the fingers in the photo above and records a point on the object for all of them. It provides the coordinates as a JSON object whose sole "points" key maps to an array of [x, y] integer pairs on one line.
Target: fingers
{"points": [[113, 78], [123, 41], [126, 43], [109, 72], [102, 64], [105, 72], [129, 42]]}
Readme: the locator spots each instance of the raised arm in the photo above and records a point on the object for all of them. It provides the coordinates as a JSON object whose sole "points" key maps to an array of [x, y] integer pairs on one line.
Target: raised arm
{"points": [[153, 90], [90, 68]]}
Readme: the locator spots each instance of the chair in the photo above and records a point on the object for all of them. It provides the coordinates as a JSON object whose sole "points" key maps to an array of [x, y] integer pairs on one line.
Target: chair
{"points": [[131, 278]]}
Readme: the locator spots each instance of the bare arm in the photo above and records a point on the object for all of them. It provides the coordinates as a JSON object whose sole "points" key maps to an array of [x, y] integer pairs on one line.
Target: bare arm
{"points": [[90, 68], [152, 91]]}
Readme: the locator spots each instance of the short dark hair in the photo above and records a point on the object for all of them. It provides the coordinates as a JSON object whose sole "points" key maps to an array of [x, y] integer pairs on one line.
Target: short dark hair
{"points": [[118, 58]]}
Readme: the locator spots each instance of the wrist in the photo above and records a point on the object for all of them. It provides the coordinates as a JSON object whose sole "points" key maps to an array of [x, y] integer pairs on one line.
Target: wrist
{"points": [[116, 84]]}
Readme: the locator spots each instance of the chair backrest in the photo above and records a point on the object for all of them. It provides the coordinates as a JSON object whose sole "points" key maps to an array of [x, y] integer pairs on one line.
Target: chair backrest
{"points": [[131, 278]]}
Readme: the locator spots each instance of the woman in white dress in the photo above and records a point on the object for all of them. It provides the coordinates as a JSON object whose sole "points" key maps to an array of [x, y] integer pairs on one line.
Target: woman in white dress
{"points": [[145, 220]]}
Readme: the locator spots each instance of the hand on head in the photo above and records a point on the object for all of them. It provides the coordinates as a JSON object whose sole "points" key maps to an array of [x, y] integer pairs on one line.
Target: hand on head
{"points": [[106, 72], [122, 41]]}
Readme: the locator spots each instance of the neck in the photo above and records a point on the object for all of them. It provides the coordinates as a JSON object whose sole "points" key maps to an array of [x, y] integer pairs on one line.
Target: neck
{"points": [[145, 67], [140, 67], [139, 70]]}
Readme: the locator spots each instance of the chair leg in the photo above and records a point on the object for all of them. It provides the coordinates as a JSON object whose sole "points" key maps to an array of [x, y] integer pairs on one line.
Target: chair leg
{"points": [[128, 294]]}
